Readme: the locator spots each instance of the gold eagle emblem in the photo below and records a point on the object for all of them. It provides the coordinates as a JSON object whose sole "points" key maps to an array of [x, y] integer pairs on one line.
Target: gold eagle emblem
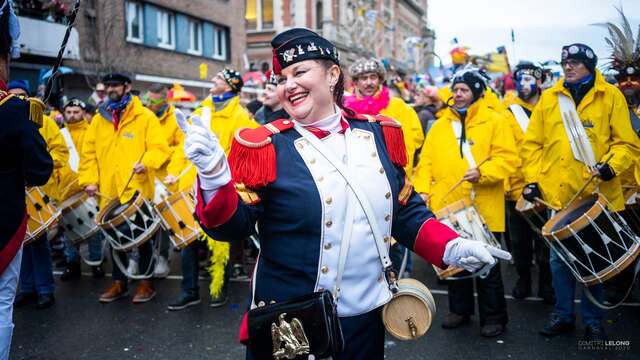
{"points": [[289, 339]]}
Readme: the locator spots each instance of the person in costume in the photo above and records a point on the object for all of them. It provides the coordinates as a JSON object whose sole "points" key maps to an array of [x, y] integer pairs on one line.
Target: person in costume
{"points": [[30, 165], [524, 242], [471, 141], [271, 109], [552, 173], [36, 273], [76, 126], [224, 115], [123, 137], [155, 99], [625, 63], [300, 201]]}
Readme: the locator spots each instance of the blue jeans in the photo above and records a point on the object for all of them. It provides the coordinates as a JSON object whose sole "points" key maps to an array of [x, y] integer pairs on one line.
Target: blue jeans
{"points": [[36, 272], [190, 270], [564, 284], [8, 285], [72, 254]]}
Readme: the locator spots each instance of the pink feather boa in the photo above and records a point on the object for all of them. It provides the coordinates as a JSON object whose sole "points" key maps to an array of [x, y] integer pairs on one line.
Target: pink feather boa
{"points": [[370, 105]]}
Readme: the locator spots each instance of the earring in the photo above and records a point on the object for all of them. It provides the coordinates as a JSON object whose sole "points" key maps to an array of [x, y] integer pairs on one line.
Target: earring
{"points": [[332, 87]]}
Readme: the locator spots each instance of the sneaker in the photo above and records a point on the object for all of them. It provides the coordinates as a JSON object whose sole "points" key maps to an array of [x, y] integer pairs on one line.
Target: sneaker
{"points": [[162, 269], [24, 298], [184, 301], [556, 327], [97, 271], [144, 293], [117, 290], [132, 269], [72, 271], [45, 301], [453, 320], [594, 332], [220, 299], [491, 330]]}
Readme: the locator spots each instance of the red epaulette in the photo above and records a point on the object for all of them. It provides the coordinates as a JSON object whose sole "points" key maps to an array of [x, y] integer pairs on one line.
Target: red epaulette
{"points": [[393, 136], [253, 157]]}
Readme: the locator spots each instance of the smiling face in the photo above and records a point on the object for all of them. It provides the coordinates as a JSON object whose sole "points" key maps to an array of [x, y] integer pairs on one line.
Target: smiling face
{"points": [[304, 90], [368, 83], [219, 85], [270, 97]]}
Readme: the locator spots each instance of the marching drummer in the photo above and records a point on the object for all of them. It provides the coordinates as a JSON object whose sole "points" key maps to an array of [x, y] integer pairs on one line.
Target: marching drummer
{"points": [[528, 78], [74, 112], [300, 200], [226, 117], [123, 137], [555, 169], [470, 141], [36, 274]]}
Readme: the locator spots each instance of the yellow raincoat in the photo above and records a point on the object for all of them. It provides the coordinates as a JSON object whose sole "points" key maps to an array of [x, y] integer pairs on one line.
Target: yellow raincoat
{"points": [[224, 124], [411, 128], [515, 183], [173, 136], [108, 155], [441, 165], [59, 153], [546, 152]]}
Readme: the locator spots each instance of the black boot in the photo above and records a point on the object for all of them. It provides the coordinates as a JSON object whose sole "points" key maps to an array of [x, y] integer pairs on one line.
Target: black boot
{"points": [[72, 271], [523, 285]]}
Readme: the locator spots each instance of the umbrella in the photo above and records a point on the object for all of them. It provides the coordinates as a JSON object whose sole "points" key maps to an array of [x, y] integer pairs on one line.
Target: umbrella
{"points": [[61, 71], [178, 93]]}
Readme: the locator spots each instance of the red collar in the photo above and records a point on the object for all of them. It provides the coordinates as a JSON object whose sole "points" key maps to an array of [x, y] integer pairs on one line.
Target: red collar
{"points": [[321, 134]]}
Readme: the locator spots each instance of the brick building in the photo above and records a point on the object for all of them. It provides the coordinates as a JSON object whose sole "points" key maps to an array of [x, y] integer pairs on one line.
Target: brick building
{"points": [[164, 41], [393, 29]]}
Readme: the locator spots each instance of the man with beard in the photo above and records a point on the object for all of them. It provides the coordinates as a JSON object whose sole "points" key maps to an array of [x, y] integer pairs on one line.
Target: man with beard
{"points": [[123, 137], [271, 108], [75, 127], [372, 97], [528, 80], [553, 172], [156, 100]]}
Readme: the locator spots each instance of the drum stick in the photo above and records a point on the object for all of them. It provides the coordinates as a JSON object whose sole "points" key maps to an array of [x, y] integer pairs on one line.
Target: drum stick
{"points": [[131, 176], [540, 201], [186, 170], [586, 183], [462, 180]]}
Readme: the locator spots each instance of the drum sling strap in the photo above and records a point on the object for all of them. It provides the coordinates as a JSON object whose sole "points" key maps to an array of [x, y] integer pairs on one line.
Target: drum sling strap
{"points": [[520, 115], [74, 159], [576, 134]]}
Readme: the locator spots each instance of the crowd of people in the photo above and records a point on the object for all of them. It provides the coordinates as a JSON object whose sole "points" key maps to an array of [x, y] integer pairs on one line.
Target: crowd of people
{"points": [[266, 180]]}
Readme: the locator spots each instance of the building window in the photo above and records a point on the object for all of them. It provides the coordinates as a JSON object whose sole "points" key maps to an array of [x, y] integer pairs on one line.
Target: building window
{"points": [[166, 29], [220, 35], [259, 14], [134, 22], [195, 37]]}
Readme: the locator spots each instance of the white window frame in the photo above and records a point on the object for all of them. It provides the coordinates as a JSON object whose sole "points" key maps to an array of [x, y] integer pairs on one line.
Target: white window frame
{"points": [[217, 46], [260, 20], [195, 27], [139, 12], [164, 17]]}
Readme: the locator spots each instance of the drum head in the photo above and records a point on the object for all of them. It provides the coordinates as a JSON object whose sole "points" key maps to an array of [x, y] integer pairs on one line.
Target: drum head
{"points": [[570, 214], [117, 208]]}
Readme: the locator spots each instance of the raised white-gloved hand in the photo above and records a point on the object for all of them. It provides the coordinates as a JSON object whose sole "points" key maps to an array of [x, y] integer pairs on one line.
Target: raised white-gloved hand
{"points": [[202, 147], [472, 255]]}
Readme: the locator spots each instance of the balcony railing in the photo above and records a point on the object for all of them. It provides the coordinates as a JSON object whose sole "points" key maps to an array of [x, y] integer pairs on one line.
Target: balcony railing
{"points": [[43, 38]]}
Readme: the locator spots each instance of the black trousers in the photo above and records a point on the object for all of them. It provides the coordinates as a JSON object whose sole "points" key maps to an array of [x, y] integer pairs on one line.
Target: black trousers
{"points": [[363, 337], [492, 306], [525, 243]]}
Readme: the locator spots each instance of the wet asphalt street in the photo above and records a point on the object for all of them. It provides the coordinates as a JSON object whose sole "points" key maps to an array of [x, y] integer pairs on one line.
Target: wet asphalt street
{"points": [[79, 327]]}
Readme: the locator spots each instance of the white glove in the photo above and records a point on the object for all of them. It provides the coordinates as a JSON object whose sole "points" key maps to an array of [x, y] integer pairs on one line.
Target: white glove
{"points": [[202, 147], [472, 255]]}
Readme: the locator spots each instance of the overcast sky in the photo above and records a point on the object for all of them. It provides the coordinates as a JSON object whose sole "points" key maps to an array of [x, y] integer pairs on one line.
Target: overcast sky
{"points": [[541, 27]]}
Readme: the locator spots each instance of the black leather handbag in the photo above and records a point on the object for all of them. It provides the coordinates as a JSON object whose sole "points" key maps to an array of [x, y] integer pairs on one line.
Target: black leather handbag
{"points": [[295, 329]]}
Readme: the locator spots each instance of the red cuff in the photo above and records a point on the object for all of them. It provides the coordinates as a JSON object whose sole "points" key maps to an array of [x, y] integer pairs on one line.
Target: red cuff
{"points": [[13, 245], [220, 208], [431, 241], [243, 336]]}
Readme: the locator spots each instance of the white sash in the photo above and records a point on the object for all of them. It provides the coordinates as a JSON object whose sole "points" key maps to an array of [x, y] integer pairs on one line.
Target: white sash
{"points": [[577, 135], [466, 148], [521, 116], [74, 159]]}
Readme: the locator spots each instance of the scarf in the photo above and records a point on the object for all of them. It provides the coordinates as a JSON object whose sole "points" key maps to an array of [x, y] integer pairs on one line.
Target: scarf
{"points": [[221, 101], [116, 108], [370, 105], [580, 88], [162, 110]]}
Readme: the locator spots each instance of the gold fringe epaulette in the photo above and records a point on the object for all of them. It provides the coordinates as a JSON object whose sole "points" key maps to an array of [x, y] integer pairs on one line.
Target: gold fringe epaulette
{"points": [[36, 111]]}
